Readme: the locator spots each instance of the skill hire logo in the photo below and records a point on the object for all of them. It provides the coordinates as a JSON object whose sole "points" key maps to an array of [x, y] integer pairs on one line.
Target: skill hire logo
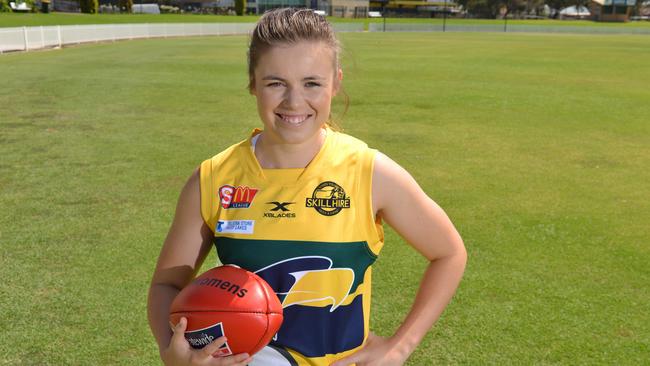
{"points": [[236, 197], [328, 199]]}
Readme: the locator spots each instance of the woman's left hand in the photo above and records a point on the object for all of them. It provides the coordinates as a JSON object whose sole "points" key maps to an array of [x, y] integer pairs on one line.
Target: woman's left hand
{"points": [[377, 351]]}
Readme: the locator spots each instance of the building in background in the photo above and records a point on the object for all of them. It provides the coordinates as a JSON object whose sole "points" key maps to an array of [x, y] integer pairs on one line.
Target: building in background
{"points": [[337, 8], [611, 10], [416, 8]]}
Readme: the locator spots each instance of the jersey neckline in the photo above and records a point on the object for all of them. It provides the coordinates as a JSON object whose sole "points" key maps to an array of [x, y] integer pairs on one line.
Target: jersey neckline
{"points": [[284, 175]]}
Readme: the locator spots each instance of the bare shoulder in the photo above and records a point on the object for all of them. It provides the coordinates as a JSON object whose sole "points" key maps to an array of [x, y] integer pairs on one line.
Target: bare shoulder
{"points": [[192, 185], [400, 201], [389, 179]]}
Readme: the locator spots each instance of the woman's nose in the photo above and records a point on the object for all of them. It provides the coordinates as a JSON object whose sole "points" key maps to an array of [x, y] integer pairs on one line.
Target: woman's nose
{"points": [[293, 97]]}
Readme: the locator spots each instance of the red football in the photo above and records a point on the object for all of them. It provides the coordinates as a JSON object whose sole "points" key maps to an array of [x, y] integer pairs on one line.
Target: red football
{"points": [[229, 301]]}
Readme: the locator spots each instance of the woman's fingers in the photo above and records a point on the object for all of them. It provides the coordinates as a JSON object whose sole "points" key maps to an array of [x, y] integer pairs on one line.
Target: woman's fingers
{"points": [[179, 332], [242, 359], [206, 353], [214, 346], [236, 360]]}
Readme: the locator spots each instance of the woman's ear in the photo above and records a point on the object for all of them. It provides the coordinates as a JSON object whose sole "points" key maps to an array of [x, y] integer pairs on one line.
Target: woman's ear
{"points": [[251, 87], [338, 80]]}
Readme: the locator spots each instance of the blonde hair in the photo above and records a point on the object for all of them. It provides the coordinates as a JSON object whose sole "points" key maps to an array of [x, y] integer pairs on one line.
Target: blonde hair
{"points": [[287, 26]]}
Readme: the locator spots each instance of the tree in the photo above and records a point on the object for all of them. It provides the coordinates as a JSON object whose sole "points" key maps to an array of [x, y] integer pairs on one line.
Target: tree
{"points": [[512, 6], [125, 6], [534, 6], [89, 6], [638, 6], [559, 4], [239, 6], [481, 8], [491, 8], [4, 6]]}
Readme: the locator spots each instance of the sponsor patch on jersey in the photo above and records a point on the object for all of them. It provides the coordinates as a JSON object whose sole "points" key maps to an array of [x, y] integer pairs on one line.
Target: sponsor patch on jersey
{"points": [[328, 199], [279, 210], [236, 197], [235, 226], [202, 337]]}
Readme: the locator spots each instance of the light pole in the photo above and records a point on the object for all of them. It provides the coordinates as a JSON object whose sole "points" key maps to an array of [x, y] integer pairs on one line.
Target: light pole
{"points": [[383, 13], [444, 17]]}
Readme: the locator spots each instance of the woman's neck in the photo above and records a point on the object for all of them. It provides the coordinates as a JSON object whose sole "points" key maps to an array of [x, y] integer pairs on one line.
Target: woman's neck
{"points": [[274, 155]]}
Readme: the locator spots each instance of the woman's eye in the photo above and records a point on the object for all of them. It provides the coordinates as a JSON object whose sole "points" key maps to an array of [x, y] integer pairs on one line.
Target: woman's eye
{"points": [[274, 84]]}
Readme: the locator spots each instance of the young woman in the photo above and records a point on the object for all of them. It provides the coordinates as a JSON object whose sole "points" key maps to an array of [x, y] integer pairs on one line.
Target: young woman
{"points": [[302, 206]]}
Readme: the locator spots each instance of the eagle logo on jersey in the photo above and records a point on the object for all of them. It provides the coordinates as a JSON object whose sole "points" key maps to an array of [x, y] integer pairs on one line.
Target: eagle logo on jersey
{"points": [[311, 281], [316, 294], [321, 285]]}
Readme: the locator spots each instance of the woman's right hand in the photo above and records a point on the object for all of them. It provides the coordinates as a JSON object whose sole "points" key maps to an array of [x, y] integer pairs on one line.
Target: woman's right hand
{"points": [[180, 353]]}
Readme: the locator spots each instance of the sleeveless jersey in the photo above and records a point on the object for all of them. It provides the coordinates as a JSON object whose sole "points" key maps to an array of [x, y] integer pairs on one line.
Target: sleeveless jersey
{"points": [[310, 233]]}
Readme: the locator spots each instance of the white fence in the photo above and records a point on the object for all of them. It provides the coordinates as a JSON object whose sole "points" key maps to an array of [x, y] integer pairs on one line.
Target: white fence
{"points": [[32, 38]]}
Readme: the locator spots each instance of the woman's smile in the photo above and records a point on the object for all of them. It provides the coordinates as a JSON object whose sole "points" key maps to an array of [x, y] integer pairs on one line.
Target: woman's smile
{"points": [[293, 119]]}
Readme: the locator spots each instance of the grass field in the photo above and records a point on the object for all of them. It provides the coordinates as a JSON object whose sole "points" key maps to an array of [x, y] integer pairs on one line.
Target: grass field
{"points": [[20, 20], [537, 146]]}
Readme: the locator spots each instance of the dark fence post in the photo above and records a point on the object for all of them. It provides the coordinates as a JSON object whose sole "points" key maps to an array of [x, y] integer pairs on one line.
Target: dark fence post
{"points": [[444, 17]]}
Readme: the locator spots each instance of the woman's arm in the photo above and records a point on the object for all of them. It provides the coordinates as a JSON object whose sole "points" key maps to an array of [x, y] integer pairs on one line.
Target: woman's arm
{"points": [[187, 244], [400, 201], [184, 249]]}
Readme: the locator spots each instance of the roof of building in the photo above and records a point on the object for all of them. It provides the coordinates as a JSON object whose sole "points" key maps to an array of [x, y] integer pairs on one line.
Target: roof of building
{"points": [[616, 2]]}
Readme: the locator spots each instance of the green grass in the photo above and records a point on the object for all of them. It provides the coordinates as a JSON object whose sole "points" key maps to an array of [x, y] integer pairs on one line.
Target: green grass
{"points": [[27, 19], [537, 146]]}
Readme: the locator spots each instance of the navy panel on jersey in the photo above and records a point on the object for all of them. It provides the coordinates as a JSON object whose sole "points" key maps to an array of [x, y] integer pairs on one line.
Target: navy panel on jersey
{"points": [[327, 332], [278, 275]]}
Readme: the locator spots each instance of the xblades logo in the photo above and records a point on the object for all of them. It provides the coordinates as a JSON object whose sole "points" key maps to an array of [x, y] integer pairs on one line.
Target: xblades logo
{"points": [[280, 210], [280, 206]]}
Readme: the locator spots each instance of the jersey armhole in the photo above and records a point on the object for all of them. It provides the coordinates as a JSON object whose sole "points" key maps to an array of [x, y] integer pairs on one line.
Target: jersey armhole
{"points": [[374, 228], [205, 182]]}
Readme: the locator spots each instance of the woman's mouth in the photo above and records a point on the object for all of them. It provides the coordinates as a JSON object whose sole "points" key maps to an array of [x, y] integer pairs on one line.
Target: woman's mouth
{"points": [[294, 119]]}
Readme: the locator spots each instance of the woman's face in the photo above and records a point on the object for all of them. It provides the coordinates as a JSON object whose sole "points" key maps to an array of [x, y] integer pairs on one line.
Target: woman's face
{"points": [[294, 86]]}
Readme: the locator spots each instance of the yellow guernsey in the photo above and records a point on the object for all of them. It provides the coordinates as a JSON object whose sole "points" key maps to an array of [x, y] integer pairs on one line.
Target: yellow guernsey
{"points": [[310, 233]]}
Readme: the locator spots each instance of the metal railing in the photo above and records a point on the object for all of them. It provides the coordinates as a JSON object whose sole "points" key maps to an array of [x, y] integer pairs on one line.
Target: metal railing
{"points": [[504, 27]]}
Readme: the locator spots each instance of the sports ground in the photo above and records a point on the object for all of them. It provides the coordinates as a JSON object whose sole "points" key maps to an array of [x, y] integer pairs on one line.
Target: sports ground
{"points": [[536, 145]]}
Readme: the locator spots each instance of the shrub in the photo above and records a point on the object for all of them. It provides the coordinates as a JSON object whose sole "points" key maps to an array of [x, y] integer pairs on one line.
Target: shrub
{"points": [[4, 6], [239, 6], [125, 6], [89, 6]]}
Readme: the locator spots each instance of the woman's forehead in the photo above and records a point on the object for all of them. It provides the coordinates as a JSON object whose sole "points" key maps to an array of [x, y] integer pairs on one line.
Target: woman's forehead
{"points": [[296, 59]]}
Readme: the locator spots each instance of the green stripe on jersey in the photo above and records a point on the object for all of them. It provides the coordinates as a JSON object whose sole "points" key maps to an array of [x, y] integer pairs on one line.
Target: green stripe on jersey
{"points": [[257, 254]]}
